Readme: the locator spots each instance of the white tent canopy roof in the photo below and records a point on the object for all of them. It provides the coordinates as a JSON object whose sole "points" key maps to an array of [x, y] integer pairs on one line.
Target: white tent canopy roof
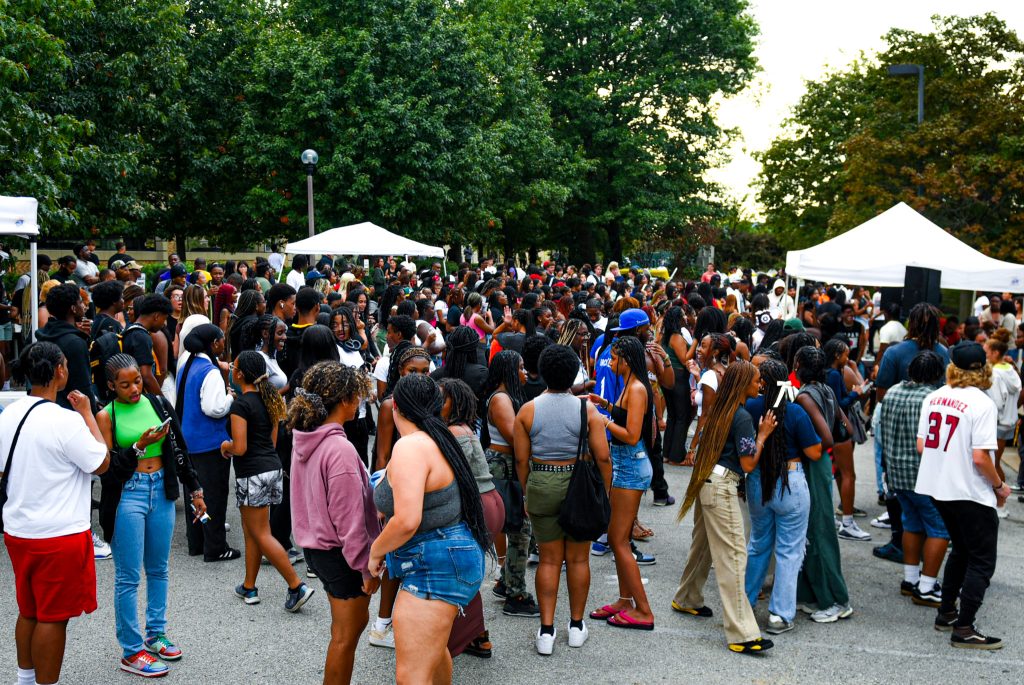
{"points": [[362, 239], [878, 251], [18, 216]]}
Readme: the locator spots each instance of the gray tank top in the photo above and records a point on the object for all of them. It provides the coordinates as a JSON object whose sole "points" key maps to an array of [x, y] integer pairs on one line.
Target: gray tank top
{"points": [[441, 508], [824, 398], [470, 445], [555, 433], [496, 437]]}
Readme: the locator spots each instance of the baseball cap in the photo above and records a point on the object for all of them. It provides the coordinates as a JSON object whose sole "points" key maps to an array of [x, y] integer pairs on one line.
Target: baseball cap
{"points": [[969, 356], [763, 317], [793, 325], [313, 275], [178, 270], [133, 266], [117, 264], [632, 318]]}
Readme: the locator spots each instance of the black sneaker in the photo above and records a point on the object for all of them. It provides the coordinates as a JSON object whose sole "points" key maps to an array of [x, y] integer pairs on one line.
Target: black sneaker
{"points": [[889, 552], [970, 638], [932, 598], [499, 590], [229, 554], [907, 588], [752, 647], [945, 622], [666, 501], [523, 606]]}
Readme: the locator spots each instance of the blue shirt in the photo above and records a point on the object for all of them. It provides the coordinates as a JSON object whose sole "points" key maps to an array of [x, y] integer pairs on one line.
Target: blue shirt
{"points": [[800, 433], [608, 384], [895, 364]]}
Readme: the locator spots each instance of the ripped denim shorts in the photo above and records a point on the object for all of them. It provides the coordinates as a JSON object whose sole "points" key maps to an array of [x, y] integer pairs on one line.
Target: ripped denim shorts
{"points": [[444, 563]]}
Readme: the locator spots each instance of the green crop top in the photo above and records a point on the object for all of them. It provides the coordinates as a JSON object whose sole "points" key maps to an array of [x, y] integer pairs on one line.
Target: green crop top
{"points": [[131, 421]]}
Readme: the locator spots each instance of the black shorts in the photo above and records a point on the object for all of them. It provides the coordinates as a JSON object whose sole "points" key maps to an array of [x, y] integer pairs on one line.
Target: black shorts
{"points": [[338, 578]]}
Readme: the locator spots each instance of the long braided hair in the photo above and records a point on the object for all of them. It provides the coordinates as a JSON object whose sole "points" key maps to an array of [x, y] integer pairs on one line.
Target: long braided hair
{"points": [[464, 402], [391, 295], [629, 349], [253, 368], [462, 350], [774, 453], [257, 331], [504, 370], [418, 398], [395, 366], [731, 394], [248, 302]]}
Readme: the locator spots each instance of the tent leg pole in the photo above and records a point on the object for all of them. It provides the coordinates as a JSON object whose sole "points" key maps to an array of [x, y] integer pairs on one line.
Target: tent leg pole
{"points": [[34, 284]]}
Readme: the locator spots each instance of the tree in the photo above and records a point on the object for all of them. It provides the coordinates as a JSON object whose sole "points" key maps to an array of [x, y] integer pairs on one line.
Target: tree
{"points": [[962, 168], [630, 85], [391, 96], [126, 66], [38, 148]]}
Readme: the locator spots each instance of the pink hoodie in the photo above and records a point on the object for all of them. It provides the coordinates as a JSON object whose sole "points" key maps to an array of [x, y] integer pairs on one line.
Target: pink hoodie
{"points": [[332, 501]]}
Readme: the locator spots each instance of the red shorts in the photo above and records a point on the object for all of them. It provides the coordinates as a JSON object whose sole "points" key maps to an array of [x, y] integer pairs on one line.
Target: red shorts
{"points": [[54, 578]]}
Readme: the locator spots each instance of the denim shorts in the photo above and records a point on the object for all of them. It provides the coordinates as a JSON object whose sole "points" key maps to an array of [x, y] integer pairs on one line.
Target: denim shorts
{"points": [[6, 332], [444, 563], [920, 515], [631, 468]]}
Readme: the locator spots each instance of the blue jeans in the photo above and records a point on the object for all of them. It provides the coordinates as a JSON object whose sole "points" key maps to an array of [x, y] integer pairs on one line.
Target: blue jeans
{"points": [[142, 540], [876, 423], [781, 523]]}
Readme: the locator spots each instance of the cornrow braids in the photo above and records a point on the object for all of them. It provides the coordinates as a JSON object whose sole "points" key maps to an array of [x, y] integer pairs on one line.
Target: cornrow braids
{"points": [[631, 350], [731, 394], [412, 352], [118, 363], [504, 370], [834, 349], [253, 368], [464, 402], [418, 398], [325, 385], [774, 453]]}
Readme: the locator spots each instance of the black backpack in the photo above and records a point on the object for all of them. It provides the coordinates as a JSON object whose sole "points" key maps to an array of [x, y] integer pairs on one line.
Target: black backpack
{"points": [[100, 351]]}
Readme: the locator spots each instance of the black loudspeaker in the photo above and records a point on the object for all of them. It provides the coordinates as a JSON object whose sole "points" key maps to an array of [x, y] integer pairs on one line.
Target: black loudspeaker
{"points": [[892, 296], [921, 285]]}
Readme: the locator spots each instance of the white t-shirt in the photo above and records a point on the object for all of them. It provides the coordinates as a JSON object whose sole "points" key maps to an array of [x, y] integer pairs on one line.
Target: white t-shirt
{"points": [[275, 375], [85, 269], [276, 260], [295, 279], [353, 360], [891, 333], [51, 472], [601, 324], [710, 379], [953, 423], [380, 371]]}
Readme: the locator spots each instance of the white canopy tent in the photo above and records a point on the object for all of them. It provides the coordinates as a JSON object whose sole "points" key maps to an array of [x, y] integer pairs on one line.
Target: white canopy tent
{"points": [[18, 217], [362, 239], [878, 252]]}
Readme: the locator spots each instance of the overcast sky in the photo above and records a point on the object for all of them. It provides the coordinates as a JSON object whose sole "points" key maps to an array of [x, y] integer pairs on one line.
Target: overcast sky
{"points": [[799, 40]]}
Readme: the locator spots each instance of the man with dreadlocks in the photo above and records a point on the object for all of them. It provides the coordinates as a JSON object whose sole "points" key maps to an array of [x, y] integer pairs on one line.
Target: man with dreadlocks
{"points": [[777, 496]]}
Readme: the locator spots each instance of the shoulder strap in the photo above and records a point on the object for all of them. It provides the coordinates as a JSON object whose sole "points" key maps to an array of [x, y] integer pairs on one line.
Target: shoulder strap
{"points": [[582, 448], [14, 442]]}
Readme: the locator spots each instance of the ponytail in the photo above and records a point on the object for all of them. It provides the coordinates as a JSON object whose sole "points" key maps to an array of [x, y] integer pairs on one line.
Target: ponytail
{"points": [[253, 368]]}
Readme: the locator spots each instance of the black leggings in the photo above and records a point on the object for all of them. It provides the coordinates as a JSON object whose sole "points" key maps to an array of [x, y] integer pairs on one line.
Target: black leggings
{"points": [[677, 402]]}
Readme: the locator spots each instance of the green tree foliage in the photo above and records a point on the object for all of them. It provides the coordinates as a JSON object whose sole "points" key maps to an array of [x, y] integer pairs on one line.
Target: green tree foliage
{"points": [[630, 85], [853, 148], [37, 147]]}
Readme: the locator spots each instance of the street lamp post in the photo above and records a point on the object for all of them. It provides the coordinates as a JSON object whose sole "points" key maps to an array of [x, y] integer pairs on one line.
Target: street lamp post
{"points": [[912, 70], [310, 158]]}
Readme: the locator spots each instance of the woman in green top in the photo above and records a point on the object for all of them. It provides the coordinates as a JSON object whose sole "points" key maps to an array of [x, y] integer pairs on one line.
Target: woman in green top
{"points": [[677, 398], [137, 513]]}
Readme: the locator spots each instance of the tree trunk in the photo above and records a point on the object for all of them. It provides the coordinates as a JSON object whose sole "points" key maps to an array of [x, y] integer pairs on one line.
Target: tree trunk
{"points": [[455, 253], [509, 251], [614, 242], [532, 255]]}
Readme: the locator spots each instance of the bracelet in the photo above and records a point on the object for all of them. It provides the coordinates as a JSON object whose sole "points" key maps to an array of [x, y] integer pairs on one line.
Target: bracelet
{"points": [[139, 451], [1000, 486], [198, 493]]}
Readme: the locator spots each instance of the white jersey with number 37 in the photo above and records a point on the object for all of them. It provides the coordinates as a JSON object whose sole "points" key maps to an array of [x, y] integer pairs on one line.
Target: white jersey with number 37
{"points": [[954, 422]]}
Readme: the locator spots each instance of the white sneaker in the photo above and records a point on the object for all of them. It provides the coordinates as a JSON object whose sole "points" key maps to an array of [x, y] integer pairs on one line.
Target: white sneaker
{"points": [[383, 638], [832, 614], [545, 643], [100, 549], [577, 636], [853, 532], [882, 521], [1002, 513]]}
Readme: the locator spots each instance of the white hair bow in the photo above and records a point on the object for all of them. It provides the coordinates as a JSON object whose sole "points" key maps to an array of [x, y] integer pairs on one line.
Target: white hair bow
{"points": [[787, 390]]}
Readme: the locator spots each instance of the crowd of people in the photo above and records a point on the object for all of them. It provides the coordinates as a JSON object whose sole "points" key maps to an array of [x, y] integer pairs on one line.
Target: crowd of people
{"points": [[394, 430]]}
